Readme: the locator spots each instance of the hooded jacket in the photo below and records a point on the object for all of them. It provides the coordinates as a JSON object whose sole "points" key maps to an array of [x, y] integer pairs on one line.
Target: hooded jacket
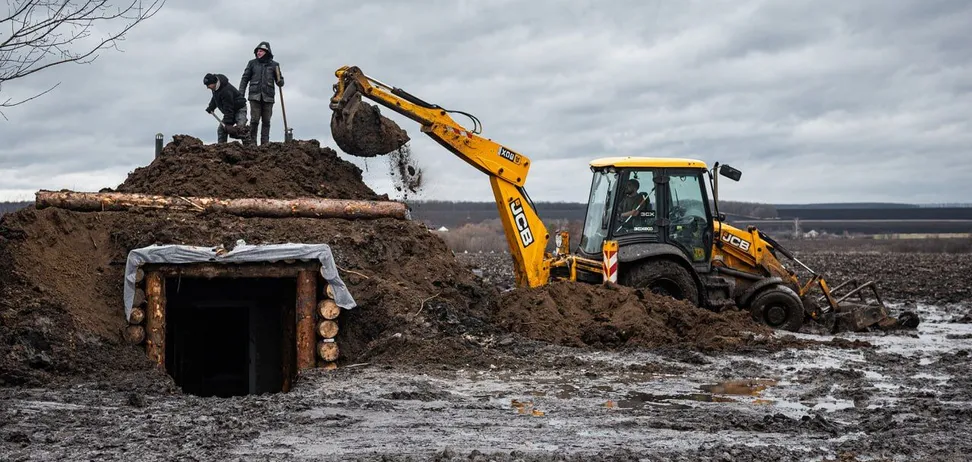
{"points": [[228, 99], [260, 74]]}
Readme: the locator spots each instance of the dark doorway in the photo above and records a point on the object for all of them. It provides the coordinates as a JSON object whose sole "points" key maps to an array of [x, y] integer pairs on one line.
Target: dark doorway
{"points": [[230, 336]]}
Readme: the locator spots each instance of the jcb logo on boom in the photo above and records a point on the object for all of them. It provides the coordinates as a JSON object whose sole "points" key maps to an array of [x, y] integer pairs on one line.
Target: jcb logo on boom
{"points": [[522, 225], [735, 241], [509, 155]]}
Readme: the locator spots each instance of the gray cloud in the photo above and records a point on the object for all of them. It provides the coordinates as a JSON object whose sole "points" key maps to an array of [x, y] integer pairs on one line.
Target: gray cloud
{"points": [[814, 100]]}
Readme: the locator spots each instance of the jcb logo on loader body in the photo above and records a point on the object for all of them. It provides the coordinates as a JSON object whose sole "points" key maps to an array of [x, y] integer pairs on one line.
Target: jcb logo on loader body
{"points": [[735, 241], [522, 225], [509, 155]]}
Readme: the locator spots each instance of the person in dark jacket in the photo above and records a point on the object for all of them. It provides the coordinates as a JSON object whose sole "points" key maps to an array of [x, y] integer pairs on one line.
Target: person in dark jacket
{"points": [[260, 75], [230, 102]]}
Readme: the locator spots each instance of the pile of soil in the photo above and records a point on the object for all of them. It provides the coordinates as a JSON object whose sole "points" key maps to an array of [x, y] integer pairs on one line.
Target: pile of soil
{"points": [[187, 167], [61, 272], [612, 316]]}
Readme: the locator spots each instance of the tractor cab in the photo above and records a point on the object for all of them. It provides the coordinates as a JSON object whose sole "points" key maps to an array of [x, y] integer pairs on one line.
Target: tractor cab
{"points": [[650, 206]]}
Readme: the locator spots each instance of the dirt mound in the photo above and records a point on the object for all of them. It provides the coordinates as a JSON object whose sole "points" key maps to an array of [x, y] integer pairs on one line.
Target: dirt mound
{"points": [[61, 272], [612, 316], [187, 167]]}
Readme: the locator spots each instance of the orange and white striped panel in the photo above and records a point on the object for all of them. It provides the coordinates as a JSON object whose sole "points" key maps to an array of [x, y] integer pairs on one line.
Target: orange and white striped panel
{"points": [[610, 265], [458, 132]]}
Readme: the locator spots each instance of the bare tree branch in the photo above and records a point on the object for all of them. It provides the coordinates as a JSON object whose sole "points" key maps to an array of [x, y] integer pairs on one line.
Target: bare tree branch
{"points": [[7, 102], [39, 34]]}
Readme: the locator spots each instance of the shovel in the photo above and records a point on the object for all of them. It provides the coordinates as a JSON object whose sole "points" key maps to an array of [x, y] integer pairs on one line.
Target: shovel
{"points": [[288, 136], [234, 131]]}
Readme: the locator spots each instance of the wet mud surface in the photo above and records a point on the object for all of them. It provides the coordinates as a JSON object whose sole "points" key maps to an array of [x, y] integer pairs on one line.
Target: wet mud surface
{"points": [[904, 398]]}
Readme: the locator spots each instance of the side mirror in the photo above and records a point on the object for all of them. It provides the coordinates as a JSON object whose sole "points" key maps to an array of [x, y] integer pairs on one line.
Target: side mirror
{"points": [[730, 173]]}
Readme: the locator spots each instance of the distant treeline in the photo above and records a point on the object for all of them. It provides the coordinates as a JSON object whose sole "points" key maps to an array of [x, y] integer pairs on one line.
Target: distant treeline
{"points": [[454, 214], [7, 207], [865, 213]]}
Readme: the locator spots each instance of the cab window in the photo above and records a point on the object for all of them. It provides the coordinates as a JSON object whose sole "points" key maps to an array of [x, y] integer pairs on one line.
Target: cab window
{"points": [[687, 215], [635, 212]]}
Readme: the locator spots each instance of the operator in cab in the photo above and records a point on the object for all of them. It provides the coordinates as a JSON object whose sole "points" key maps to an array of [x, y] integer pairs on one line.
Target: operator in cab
{"points": [[633, 202]]}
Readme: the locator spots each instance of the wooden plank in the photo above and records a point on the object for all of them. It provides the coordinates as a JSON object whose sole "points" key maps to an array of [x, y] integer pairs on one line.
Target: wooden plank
{"points": [[155, 321], [234, 270], [306, 304]]}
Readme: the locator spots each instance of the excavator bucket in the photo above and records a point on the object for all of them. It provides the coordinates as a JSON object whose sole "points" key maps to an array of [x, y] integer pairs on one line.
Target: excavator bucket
{"points": [[360, 130]]}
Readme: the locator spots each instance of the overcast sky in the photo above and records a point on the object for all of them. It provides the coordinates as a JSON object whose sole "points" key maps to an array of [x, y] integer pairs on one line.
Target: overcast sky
{"points": [[815, 101]]}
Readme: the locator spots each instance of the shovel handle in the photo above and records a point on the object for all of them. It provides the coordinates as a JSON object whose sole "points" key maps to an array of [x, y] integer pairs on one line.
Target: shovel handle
{"points": [[283, 107]]}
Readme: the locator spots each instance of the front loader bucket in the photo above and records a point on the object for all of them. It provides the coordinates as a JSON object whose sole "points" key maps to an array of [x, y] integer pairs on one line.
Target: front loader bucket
{"points": [[865, 312], [858, 317], [360, 130]]}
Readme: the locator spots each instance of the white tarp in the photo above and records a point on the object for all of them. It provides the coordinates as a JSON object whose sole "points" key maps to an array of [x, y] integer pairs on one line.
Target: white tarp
{"points": [[241, 253]]}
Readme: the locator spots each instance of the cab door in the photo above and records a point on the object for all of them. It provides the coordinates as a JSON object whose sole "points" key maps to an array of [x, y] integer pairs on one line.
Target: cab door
{"points": [[687, 221]]}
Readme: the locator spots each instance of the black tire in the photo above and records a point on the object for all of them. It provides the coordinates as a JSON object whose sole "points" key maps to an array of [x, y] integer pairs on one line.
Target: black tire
{"points": [[663, 277], [778, 307]]}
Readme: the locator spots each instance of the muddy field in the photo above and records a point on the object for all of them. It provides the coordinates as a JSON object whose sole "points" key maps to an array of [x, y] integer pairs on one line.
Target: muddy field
{"points": [[904, 398], [864, 397], [440, 361]]}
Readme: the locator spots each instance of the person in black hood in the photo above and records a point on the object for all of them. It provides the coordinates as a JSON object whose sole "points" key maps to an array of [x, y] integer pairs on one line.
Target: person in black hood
{"points": [[230, 102], [259, 77]]}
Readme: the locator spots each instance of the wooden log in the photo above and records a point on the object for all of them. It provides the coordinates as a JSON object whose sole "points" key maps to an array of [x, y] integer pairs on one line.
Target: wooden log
{"points": [[247, 207], [328, 309], [327, 329], [155, 320], [139, 298], [139, 275], [330, 366], [135, 334], [306, 303], [237, 270], [329, 291], [136, 317], [328, 350]]}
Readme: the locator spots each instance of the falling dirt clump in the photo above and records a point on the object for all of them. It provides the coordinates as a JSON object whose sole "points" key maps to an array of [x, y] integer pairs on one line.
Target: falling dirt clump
{"points": [[611, 316], [187, 167], [406, 176], [360, 130], [61, 271]]}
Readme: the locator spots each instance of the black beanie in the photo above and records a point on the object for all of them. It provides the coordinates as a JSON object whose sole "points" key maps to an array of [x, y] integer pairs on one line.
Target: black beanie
{"points": [[209, 79]]}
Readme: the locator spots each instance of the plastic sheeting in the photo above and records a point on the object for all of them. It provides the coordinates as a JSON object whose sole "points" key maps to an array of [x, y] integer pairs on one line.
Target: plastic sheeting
{"points": [[243, 252]]}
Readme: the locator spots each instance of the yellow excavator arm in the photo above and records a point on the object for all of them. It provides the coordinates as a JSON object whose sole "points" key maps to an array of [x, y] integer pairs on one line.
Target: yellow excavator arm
{"points": [[507, 169]]}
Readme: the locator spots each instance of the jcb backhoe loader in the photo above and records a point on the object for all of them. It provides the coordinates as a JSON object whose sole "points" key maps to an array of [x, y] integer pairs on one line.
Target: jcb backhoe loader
{"points": [[649, 222]]}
